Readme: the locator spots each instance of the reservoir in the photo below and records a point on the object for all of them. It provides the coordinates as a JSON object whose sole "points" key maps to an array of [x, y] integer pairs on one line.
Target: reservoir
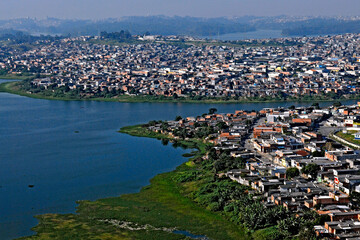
{"points": [[258, 34], [53, 153]]}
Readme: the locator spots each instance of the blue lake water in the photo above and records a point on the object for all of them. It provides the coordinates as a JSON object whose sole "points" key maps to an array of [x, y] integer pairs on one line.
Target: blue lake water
{"points": [[39, 146], [258, 34]]}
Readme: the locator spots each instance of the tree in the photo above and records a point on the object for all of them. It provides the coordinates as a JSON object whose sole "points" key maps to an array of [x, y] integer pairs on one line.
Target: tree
{"points": [[221, 125], [318, 154], [152, 123], [337, 104], [182, 133], [290, 226], [329, 146], [225, 163], [116, 35], [178, 118], [253, 216], [164, 126], [292, 172], [355, 199], [316, 105], [275, 214], [165, 141], [212, 110], [311, 169]]}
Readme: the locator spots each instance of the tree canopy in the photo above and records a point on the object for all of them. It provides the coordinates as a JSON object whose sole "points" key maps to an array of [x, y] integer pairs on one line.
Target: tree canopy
{"points": [[212, 110], [292, 172]]}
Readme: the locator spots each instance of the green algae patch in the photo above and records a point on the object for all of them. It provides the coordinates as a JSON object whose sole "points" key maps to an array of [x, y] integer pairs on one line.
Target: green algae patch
{"points": [[161, 206], [154, 213]]}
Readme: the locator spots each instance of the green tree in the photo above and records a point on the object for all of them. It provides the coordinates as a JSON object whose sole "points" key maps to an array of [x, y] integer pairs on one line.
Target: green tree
{"points": [[164, 126], [292, 172], [212, 110], [328, 146], [318, 154], [226, 163], [311, 169], [290, 226], [152, 123], [355, 199], [165, 141], [337, 104], [253, 216], [316, 105], [221, 125], [178, 118]]}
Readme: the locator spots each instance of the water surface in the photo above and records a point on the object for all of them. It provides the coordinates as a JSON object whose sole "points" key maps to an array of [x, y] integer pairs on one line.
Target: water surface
{"points": [[39, 146], [258, 34]]}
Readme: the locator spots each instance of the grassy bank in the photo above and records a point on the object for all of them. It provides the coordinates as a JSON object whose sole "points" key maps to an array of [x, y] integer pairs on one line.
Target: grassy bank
{"points": [[140, 131], [161, 205], [194, 198], [155, 211], [15, 88], [14, 77]]}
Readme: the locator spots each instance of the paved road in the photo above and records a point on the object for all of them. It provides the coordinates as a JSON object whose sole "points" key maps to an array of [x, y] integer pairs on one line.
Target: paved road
{"points": [[325, 131]]}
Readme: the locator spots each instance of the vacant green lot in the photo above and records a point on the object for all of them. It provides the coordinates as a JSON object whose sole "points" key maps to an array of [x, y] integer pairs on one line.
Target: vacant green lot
{"points": [[348, 137]]}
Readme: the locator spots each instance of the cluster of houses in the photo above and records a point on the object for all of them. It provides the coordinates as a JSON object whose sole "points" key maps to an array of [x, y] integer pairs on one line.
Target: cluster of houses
{"points": [[293, 139], [321, 66], [237, 125], [275, 140]]}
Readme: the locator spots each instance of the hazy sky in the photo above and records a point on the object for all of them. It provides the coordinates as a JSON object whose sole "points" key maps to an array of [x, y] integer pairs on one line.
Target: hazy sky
{"points": [[98, 9]]}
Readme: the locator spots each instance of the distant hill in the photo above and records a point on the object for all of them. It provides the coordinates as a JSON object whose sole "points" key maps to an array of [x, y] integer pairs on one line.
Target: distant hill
{"points": [[163, 25], [299, 26], [322, 27], [159, 25]]}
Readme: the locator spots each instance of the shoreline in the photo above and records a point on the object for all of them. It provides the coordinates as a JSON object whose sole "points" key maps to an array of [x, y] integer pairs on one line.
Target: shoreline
{"points": [[14, 77], [8, 87], [162, 205]]}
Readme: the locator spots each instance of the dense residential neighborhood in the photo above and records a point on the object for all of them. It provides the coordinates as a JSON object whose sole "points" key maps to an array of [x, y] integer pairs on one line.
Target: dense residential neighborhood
{"points": [[277, 173], [298, 158], [180, 120], [287, 68]]}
